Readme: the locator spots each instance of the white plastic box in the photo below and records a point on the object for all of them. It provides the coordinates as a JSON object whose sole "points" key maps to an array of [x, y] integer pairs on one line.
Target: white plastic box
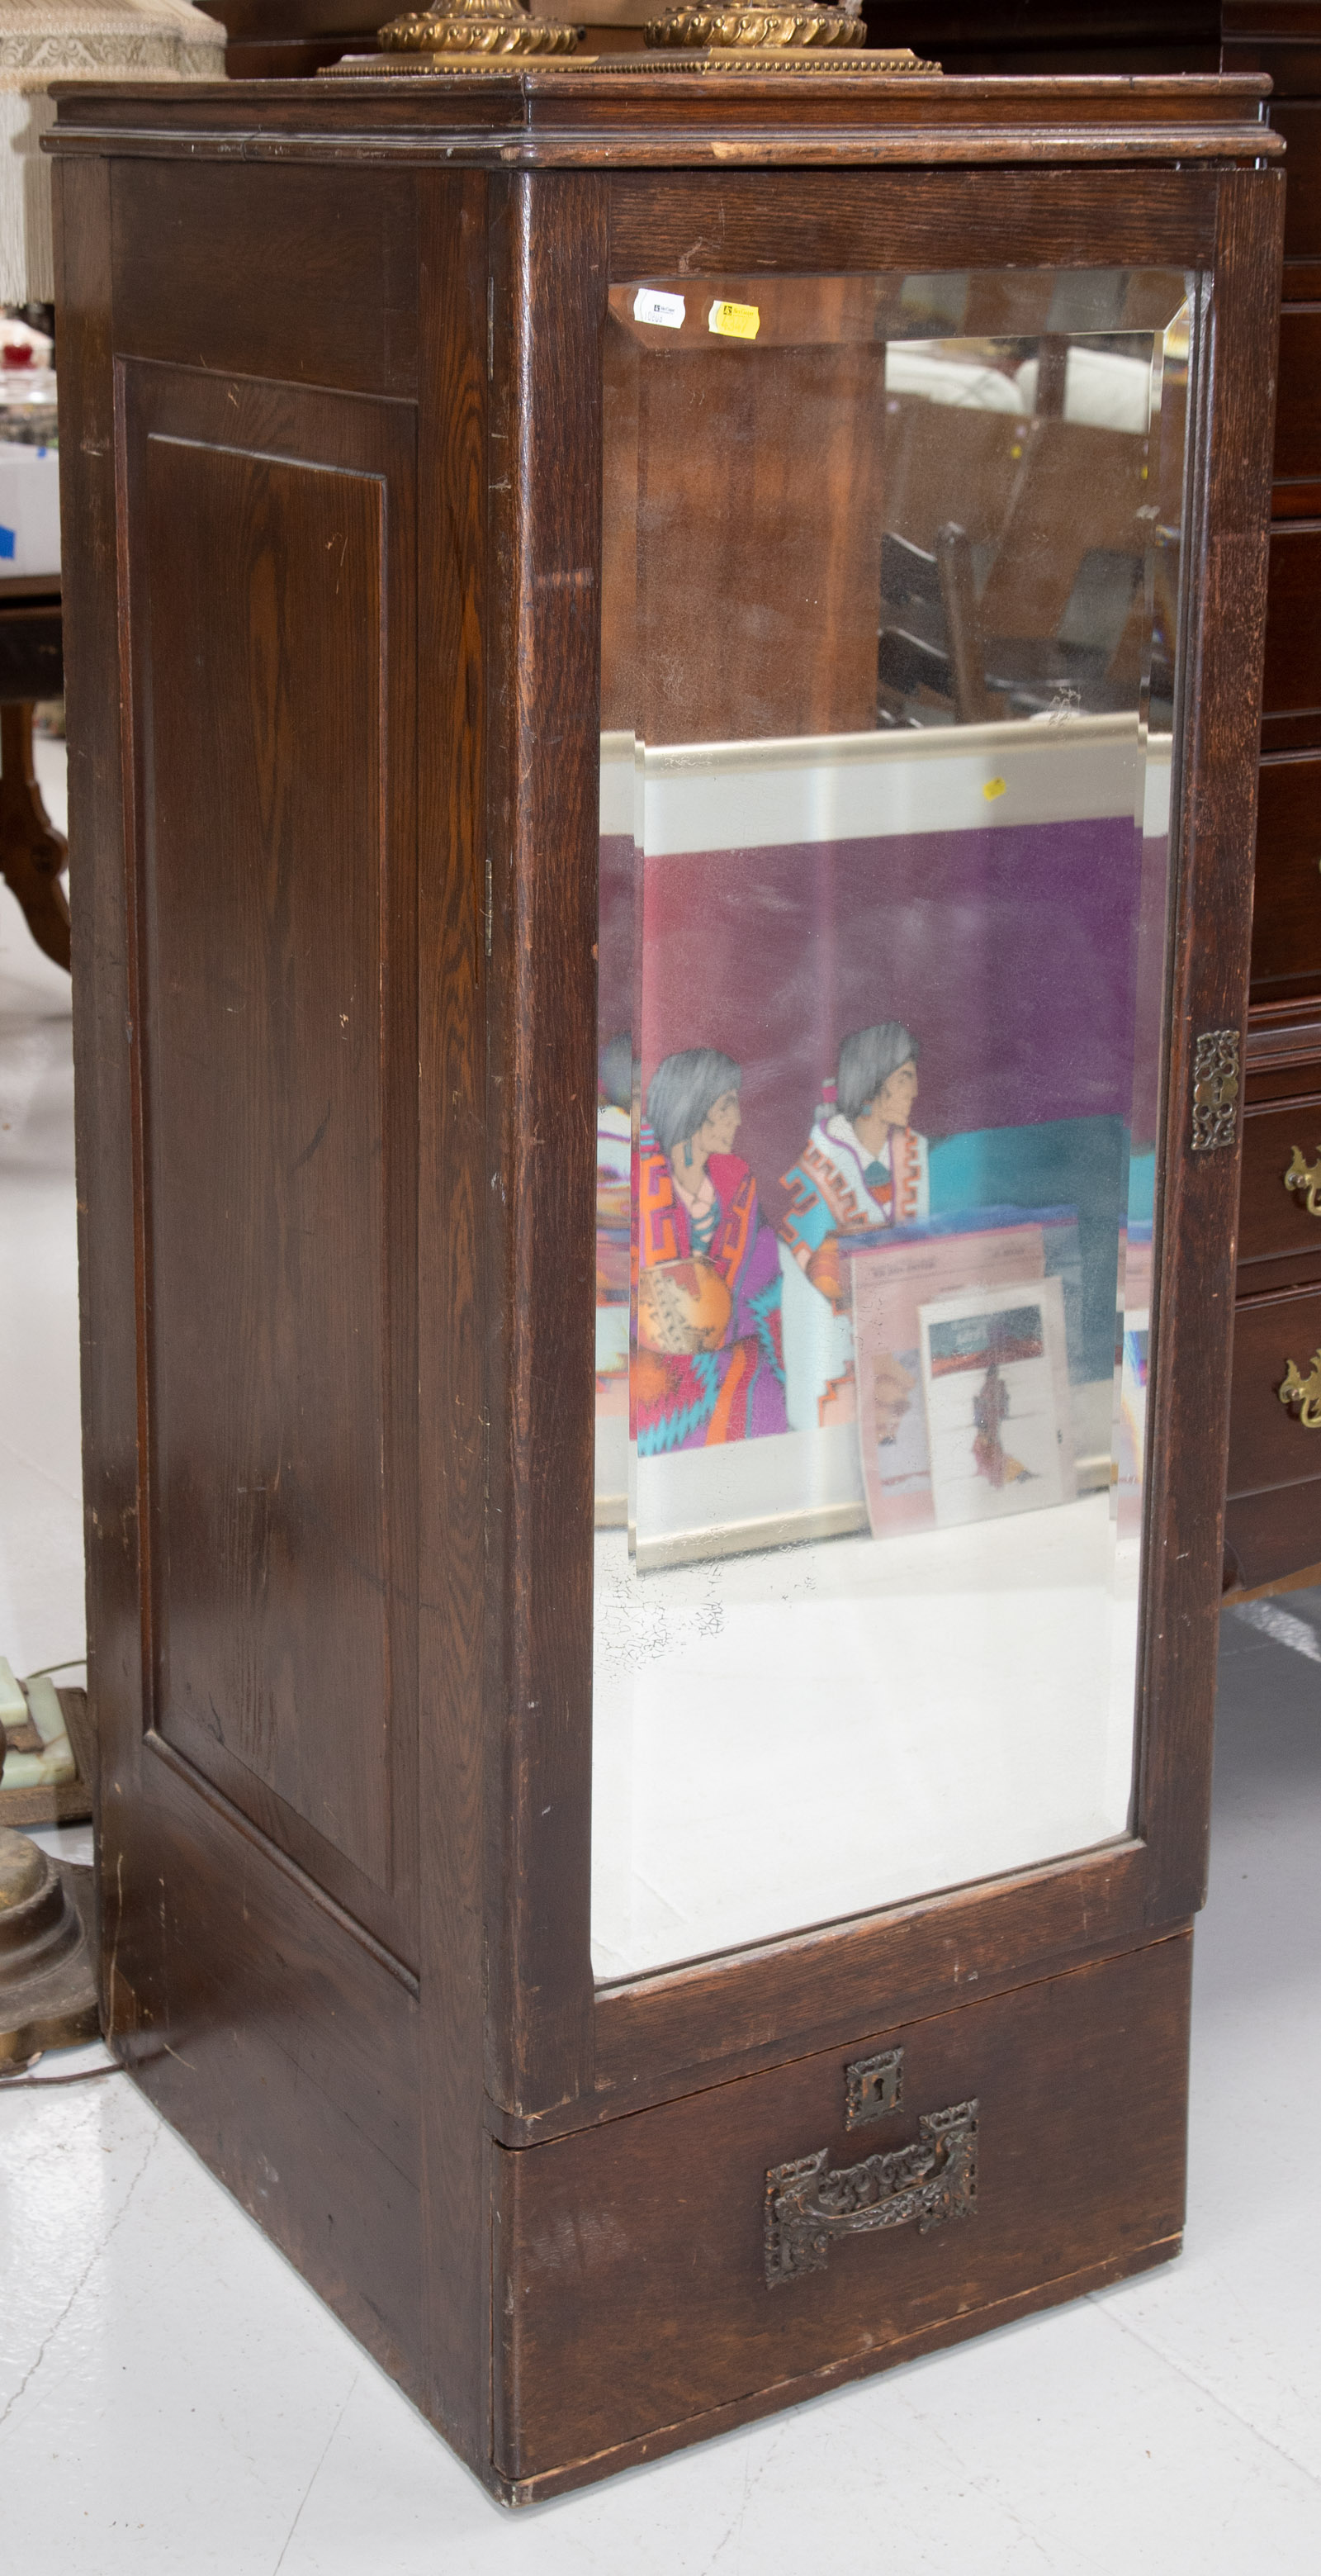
{"points": [[29, 510]]}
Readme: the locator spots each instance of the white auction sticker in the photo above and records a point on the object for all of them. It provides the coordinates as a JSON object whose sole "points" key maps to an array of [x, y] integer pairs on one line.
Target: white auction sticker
{"points": [[651, 304]]}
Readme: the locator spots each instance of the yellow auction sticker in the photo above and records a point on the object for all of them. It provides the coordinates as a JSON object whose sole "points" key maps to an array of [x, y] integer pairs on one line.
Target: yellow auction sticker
{"points": [[994, 787], [734, 321]]}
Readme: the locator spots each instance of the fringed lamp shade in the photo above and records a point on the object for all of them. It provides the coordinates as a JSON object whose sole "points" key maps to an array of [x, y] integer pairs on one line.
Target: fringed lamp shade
{"points": [[54, 40]]}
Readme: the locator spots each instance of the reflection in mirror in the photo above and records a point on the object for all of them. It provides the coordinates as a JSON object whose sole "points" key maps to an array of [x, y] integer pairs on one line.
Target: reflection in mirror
{"points": [[889, 626]]}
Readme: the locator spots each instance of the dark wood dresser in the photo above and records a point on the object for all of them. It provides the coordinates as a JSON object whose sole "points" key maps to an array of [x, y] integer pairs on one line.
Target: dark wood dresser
{"points": [[1273, 1523]]}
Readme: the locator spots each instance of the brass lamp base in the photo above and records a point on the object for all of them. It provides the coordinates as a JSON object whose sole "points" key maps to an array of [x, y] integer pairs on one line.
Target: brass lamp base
{"points": [[501, 35], [47, 1960], [835, 61], [755, 28], [483, 27]]}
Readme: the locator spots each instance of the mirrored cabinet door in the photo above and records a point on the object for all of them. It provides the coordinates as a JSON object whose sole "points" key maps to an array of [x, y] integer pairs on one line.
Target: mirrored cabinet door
{"points": [[890, 606]]}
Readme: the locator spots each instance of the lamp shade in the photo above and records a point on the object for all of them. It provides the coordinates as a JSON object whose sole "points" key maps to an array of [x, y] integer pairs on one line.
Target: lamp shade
{"points": [[54, 40]]}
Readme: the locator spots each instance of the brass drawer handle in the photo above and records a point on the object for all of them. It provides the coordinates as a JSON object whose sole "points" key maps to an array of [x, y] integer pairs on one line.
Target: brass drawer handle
{"points": [[1305, 1176], [807, 2206], [1305, 1392]]}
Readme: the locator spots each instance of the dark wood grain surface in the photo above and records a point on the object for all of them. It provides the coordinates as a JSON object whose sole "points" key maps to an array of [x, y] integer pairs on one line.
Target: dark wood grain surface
{"points": [[1216, 783], [1286, 924], [276, 1017], [555, 117], [549, 257], [454, 1176], [105, 1101], [1298, 419], [386, 822], [701, 223], [1292, 680], [1276, 1532], [1300, 126], [338, 307], [636, 2254], [232, 1975]]}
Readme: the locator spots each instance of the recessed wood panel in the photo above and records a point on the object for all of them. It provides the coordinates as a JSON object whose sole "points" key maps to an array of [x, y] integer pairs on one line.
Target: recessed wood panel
{"points": [[337, 305], [278, 1066], [1300, 124], [1298, 402], [1286, 920], [1292, 680]]}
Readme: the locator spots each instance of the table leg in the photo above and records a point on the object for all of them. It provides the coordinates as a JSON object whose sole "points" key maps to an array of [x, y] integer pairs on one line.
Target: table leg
{"points": [[33, 855]]}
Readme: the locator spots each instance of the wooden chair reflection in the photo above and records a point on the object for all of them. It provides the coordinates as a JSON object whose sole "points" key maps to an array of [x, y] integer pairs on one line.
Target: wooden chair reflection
{"points": [[1060, 622]]}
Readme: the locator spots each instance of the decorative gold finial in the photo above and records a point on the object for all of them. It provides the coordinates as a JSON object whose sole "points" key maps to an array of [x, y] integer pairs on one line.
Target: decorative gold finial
{"points": [[476, 27]]}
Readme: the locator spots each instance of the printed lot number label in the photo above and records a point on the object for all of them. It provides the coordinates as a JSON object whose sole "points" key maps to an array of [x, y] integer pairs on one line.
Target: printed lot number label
{"points": [[734, 321], [651, 304]]}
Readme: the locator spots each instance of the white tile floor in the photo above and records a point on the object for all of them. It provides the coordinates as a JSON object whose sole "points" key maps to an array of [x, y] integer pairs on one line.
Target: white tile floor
{"points": [[173, 2399]]}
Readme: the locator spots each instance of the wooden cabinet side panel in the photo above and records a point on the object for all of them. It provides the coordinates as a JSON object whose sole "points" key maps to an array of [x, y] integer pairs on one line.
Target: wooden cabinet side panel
{"points": [[105, 1108], [270, 553], [549, 257], [285, 2049], [335, 305], [453, 1196], [270, 2027]]}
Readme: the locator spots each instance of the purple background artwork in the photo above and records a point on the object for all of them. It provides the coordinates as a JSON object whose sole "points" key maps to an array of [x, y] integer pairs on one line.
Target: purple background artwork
{"points": [[1009, 952]]}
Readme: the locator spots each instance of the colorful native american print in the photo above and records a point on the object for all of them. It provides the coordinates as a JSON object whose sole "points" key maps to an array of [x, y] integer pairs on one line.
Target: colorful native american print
{"points": [[695, 1398], [836, 1188]]}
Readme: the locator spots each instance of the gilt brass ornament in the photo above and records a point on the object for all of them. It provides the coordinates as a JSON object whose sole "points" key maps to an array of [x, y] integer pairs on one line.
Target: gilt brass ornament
{"points": [[1305, 1178], [1215, 1090], [770, 39], [809, 2204], [1305, 1392], [701, 30], [476, 27]]}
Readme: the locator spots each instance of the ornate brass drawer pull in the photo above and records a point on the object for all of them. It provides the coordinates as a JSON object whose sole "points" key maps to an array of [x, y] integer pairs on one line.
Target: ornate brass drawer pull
{"points": [[807, 2205], [1305, 1392], [1305, 1176]]}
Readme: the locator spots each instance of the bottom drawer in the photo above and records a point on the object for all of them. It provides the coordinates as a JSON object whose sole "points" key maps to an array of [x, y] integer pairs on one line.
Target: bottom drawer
{"points": [[1270, 1442], [632, 2261], [1269, 1537]]}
